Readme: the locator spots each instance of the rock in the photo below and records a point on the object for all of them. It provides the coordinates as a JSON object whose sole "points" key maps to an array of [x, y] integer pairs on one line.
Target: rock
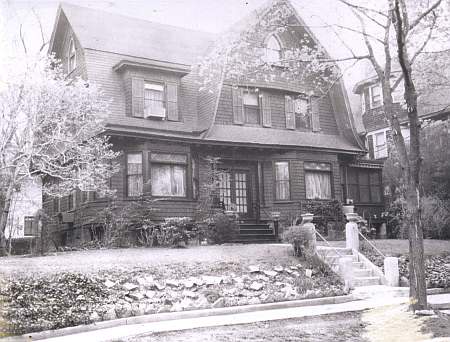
{"points": [[424, 312], [287, 270], [294, 268], [110, 314], [219, 303], [211, 296], [198, 281], [211, 280], [278, 269], [149, 309], [185, 303], [94, 317], [189, 284], [150, 294], [109, 284], [129, 286], [172, 282], [308, 273], [164, 308], [254, 269], [289, 291], [255, 286], [227, 280], [159, 286], [263, 278], [254, 301], [136, 295], [296, 274], [80, 298], [270, 273], [190, 294]]}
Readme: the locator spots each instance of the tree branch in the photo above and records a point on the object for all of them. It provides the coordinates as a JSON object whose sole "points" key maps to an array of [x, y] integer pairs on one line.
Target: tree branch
{"points": [[424, 14]]}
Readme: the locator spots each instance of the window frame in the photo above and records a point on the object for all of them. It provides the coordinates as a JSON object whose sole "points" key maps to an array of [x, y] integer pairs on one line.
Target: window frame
{"points": [[371, 96], [128, 175], [71, 53], [268, 60], [163, 101], [369, 185], [329, 172], [276, 199], [308, 112], [245, 106], [187, 173], [27, 219]]}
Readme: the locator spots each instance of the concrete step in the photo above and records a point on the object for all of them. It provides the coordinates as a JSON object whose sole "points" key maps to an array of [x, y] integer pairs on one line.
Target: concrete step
{"points": [[357, 264], [255, 231], [361, 272], [334, 251], [366, 281]]}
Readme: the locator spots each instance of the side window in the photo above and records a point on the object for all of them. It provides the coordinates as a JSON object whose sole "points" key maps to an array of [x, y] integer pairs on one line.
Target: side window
{"points": [[71, 57]]}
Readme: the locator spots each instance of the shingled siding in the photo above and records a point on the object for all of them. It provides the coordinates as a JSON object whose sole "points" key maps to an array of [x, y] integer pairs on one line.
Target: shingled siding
{"points": [[117, 87], [374, 119], [224, 114]]}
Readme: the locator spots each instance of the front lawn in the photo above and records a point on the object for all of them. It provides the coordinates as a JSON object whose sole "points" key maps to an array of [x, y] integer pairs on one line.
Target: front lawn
{"points": [[82, 287]]}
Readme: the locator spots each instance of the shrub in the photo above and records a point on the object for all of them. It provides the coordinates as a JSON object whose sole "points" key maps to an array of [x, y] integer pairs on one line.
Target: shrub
{"points": [[435, 217], [299, 237], [325, 212], [221, 228], [175, 232]]}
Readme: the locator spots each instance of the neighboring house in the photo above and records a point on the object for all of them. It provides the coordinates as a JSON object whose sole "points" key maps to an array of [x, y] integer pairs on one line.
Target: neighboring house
{"points": [[278, 147], [22, 220], [377, 129]]}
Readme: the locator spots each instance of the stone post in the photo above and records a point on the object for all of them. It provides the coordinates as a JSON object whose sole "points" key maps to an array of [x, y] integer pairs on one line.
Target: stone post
{"points": [[309, 227], [346, 271], [391, 271], [351, 232]]}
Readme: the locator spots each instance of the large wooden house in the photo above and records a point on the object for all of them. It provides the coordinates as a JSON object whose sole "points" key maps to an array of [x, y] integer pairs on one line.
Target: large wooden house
{"points": [[278, 147]]}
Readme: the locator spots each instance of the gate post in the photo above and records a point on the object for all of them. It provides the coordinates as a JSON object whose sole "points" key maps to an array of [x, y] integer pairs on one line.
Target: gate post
{"points": [[351, 232], [391, 271]]}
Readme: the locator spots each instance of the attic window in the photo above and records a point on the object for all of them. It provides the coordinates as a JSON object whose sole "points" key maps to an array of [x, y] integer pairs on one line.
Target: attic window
{"points": [[273, 50], [71, 57]]}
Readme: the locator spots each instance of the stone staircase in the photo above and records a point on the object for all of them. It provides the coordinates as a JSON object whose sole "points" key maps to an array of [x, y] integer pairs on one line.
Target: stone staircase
{"points": [[363, 275]]}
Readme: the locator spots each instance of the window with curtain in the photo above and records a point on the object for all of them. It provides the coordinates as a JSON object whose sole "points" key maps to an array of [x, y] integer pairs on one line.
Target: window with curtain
{"points": [[282, 181], [134, 174], [168, 174], [302, 115], [318, 180], [154, 98], [273, 50], [251, 106]]}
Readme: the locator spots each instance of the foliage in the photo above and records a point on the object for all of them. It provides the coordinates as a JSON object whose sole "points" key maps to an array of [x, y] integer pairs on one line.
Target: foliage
{"points": [[63, 300], [435, 214], [299, 238], [176, 232], [394, 214], [50, 127], [222, 228], [325, 212]]}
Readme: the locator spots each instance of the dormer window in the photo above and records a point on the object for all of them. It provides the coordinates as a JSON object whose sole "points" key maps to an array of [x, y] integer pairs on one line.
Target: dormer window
{"points": [[154, 100], [71, 57], [273, 50]]}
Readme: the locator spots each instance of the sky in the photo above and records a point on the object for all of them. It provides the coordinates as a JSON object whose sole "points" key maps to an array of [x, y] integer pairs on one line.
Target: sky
{"points": [[205, 15]]}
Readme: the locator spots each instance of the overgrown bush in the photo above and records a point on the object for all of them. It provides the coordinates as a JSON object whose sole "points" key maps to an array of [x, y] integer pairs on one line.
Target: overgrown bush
{"points": [[299, 238], [435, 218], [176, 232], [222, 228], [326, 213]]}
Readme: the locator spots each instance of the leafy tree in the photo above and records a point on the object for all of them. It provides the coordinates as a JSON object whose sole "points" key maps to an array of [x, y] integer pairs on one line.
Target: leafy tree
{"points": [[50, 127]]}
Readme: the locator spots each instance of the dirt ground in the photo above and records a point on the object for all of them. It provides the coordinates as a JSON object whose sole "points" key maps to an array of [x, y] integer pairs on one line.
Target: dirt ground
{"points": [[345, 327], [395, 247], [93, 261]]}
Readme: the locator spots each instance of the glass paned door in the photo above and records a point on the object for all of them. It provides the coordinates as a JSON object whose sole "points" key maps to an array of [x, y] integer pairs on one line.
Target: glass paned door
{"points": [[234, 191]]}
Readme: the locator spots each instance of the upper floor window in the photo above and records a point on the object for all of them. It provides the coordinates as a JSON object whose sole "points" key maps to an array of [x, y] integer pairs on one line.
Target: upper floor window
{"points": [[71, 56], [302, 115], [251, 106], [154, 100], [273, 50], [28, 226], [378, 144], [375, 96]]}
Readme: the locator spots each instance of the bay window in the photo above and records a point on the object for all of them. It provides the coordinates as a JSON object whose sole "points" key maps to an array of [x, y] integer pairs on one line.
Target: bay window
{"points": [[168, 174], [318, 180], [282, 181], [134, 174]]}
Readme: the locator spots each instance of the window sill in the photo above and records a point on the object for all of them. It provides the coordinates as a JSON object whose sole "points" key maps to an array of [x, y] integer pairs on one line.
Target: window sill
{"points": [[284, 202]]}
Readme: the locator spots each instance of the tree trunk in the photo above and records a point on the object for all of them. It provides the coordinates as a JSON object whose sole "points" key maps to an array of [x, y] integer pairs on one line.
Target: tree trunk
{"points": [[4, 218]]}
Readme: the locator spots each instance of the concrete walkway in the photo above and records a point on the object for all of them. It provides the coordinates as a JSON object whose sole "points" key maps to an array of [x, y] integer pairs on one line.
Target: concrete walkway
{"points": [[127, 331]]}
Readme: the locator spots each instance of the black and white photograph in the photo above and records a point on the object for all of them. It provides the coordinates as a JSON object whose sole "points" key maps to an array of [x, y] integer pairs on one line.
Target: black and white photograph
{"points": [[225, 170]]}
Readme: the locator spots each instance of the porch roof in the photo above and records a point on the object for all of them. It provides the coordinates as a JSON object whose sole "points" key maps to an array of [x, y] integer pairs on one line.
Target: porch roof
{"points": [[279, 137]]}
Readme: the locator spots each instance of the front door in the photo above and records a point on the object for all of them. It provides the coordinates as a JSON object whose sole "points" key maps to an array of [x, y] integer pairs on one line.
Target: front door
{"points": [[234, 191]]}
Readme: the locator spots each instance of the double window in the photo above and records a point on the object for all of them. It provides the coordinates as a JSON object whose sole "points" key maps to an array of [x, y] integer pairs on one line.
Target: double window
{"points": [[282, 181], [251, 106], [71, 57], [318, 180], [168, 174], [364, 186]]}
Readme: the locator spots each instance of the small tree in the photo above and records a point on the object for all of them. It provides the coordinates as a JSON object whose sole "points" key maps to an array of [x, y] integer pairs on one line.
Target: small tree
{"points": [[50, 127]]}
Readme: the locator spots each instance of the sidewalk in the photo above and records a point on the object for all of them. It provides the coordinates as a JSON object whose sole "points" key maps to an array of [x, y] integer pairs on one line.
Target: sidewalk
{"points": [[123, 332]]}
